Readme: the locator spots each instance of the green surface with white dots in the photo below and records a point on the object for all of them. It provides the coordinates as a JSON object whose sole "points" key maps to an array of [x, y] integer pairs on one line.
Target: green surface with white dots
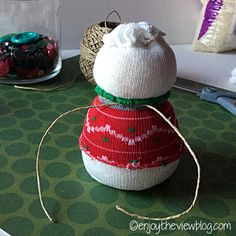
{"points": [[81, 205]]}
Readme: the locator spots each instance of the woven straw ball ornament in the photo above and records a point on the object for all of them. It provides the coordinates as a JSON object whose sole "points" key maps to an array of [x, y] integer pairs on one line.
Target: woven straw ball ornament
{"points": [[91, 44], [127, 145]]}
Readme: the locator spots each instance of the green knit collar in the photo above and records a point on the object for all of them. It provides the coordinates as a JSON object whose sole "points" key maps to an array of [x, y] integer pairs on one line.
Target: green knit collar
{"points": [[146, 101]]}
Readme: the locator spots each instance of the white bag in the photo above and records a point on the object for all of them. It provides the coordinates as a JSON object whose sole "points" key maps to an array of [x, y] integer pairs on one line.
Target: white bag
{"points": [[216, 31]]}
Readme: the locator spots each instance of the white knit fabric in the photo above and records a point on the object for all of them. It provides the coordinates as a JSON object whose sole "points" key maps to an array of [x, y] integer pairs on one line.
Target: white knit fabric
{"points": [[135, 62], [126, 179]]}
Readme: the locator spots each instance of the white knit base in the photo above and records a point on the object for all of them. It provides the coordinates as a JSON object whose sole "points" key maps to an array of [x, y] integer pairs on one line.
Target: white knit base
{"points": [[127, 179]]}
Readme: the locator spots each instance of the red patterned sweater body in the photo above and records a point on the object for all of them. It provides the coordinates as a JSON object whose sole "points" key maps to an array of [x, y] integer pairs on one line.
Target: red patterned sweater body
{"points": [[132, 138]]}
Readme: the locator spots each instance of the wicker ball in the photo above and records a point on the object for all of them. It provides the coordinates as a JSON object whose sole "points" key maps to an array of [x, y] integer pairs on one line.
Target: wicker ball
{"points": [[90, 45]]}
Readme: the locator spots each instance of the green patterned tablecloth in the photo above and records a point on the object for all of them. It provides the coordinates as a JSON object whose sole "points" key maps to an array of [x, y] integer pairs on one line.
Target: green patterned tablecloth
{"points": [[84, 207]]}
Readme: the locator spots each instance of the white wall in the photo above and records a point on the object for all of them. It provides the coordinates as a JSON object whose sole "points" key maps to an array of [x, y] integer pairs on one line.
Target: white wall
{"points": [[177, 18]]}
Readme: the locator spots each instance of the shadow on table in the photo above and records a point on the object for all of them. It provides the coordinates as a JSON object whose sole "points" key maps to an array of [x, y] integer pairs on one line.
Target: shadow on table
{"points": [[218, 177]]}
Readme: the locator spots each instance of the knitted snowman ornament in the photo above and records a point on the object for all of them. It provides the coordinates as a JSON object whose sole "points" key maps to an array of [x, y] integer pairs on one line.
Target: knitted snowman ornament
{"points": [[125, 144]]}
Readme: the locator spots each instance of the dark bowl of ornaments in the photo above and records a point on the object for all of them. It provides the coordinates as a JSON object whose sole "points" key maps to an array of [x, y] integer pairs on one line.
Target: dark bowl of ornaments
{"points": [[28, 55]]}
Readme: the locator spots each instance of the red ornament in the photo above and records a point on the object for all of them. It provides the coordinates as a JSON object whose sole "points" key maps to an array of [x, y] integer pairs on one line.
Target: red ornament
{"points": [[4, 68], [10, 62], [24, 47], [50, 46]]}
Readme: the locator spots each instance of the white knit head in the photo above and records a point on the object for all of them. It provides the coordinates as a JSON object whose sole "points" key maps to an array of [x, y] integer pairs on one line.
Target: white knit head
{"points": [[135, 62]]}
